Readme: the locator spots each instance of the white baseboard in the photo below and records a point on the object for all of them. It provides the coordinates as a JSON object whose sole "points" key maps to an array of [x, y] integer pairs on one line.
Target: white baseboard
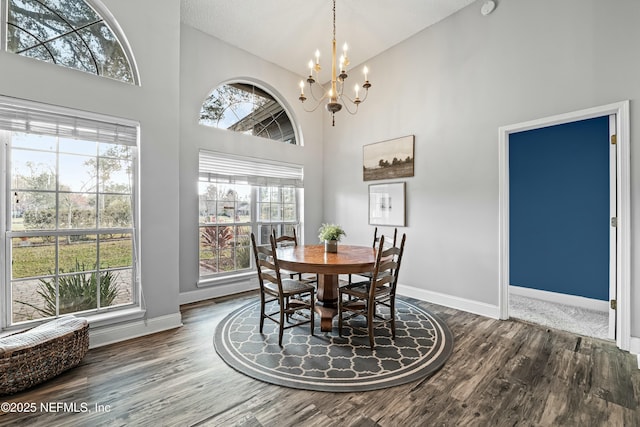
{"points": [[572, 300], [463, 304], [458, 303], [124, 331], [220, 290], [634, 347]]}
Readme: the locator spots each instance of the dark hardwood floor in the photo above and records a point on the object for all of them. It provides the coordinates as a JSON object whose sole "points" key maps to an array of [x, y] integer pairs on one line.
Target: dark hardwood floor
{"points": [[502, 373]]}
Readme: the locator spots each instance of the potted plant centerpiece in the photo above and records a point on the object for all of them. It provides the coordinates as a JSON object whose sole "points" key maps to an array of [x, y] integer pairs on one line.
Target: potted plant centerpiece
{"points": [[331, 234]]}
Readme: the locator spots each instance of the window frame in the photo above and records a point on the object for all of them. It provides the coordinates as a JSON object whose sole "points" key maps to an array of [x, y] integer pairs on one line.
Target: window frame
{"points": [[267, 174], [235, 224], [271, 93], [107, 18], [256, 224], [129, 309]]}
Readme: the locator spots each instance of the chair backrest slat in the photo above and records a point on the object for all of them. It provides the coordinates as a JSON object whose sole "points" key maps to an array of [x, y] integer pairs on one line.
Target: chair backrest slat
{"points": [[387, 266], [266, 257], [376, 237], [285, 240]]}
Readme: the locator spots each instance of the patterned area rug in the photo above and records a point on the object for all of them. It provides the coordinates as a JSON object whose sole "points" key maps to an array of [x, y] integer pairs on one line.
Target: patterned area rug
{"points": [[328, 362]]}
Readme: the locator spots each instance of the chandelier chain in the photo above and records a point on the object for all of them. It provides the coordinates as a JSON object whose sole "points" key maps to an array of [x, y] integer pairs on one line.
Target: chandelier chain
{"points": [[334, 19]]}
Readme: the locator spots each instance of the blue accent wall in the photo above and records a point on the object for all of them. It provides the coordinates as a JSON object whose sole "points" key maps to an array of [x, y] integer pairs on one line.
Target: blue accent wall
{"points": [[559, 208]]}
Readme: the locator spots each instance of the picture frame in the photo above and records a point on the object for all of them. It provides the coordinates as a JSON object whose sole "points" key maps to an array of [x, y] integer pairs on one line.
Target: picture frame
{"points": [[389, 159], [387, 204]]}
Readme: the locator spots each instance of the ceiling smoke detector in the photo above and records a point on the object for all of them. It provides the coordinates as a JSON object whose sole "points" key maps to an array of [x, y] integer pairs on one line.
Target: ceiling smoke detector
{"points": [[487, 7]]}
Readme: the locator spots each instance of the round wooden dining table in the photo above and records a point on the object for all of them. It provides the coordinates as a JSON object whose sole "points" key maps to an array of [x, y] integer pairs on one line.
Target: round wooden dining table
{"points": [[313, 259]]}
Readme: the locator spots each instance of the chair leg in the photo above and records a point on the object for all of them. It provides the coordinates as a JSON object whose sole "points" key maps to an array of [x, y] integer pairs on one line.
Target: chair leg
{"points": [[286, 307], [262, 308], [370, 313], [340, 316], [392, 310], [281, 325], [312, 312]]}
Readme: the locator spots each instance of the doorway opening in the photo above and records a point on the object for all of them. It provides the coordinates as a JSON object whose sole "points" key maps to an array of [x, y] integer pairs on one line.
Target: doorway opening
{"points": [[618, 271]]}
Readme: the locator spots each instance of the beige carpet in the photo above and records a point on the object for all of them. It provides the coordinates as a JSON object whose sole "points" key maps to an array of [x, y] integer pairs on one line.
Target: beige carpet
{"points": [[578, 320]]}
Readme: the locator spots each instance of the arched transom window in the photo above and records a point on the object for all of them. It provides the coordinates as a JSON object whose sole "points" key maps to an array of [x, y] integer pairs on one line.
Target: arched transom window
{"points": [[243, 107], [70, 33]]}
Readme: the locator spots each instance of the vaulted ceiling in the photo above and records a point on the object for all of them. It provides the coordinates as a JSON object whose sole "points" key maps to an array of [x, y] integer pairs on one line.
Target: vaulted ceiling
{"points": [[287, 32]]}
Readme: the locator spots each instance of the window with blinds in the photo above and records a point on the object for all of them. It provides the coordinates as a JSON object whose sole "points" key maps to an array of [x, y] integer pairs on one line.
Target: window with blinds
{"points": [[238, 196], [71, 216]]}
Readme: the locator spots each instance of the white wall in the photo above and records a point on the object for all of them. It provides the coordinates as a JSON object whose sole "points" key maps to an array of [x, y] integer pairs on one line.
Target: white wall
{"points": [[452, 86], [154, 104], [206, 63]]}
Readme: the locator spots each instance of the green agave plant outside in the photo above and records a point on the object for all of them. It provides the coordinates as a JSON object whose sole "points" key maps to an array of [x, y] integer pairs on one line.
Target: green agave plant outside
{"points": [[77, 292]]}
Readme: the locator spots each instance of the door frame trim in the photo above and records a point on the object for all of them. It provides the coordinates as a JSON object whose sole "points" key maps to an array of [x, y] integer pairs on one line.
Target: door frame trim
{"points": [[623, 230], [613, 232]]}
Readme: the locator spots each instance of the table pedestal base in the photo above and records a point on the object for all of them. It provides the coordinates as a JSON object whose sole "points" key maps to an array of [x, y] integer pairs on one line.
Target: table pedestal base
{"points": [[327, 305], [312, 259], [326, 317]]}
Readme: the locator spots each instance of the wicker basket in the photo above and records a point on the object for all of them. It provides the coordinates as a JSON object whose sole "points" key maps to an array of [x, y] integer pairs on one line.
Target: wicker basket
{"points": [[41, 354]]}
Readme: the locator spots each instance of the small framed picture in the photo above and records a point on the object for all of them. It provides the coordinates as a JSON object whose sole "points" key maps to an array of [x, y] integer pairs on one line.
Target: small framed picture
{"points": [[387, 204]]}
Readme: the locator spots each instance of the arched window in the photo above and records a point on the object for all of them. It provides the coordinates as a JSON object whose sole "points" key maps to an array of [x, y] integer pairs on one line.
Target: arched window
{"points": [[70, 33], [243, 107]]}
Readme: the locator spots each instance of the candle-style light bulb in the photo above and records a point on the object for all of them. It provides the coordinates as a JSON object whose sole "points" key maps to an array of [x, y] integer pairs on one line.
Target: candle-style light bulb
{"points": [[302, 98], [345, 48], [341, 62], [317, 56], [357, 89], [366, 73], [310, 67]]}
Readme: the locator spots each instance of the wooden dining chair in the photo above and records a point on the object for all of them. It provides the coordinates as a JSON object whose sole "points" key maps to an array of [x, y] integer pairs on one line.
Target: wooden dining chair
{"points": [[286, 240], [376, 240], [292, 296], [363, 299]]}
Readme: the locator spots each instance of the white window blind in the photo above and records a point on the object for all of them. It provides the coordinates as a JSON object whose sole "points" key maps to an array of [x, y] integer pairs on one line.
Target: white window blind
{"points": [[26, 117], [216, 166]]}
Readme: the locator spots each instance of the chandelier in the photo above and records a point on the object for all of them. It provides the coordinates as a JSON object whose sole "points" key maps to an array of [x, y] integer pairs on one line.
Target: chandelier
{"points": [[335, 94]]}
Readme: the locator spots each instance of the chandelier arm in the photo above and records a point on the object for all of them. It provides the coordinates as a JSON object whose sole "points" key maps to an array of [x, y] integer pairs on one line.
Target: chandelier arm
{"points": [[353, 101], [313, 95], [366, 93], [312, 109], [340, 87], [318, 103], [347, 105], [348, 98]]}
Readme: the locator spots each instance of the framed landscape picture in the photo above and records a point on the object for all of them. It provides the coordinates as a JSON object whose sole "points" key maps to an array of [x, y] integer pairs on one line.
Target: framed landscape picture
{"points": [[387, 204], [388, 159]]}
